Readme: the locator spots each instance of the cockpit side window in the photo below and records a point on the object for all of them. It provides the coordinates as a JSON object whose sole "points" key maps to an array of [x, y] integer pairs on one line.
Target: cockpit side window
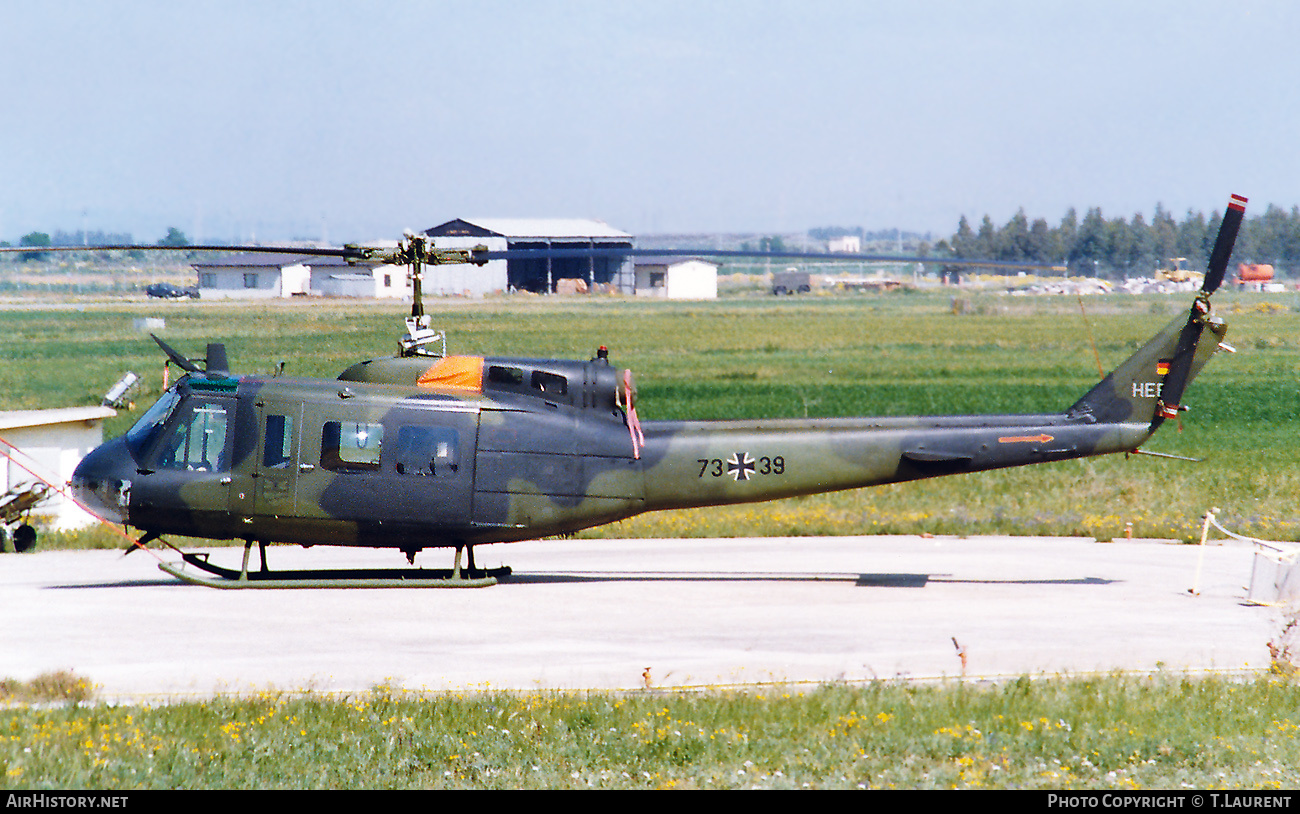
{"points": [[195, 439]]}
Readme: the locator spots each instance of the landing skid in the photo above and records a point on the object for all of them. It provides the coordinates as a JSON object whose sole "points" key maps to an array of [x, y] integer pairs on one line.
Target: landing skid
{"points": [[332, 578]]}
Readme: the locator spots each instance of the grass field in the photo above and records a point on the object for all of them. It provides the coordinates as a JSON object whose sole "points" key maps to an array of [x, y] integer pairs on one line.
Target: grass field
{"points": [[1116, 732], [757, 356]]}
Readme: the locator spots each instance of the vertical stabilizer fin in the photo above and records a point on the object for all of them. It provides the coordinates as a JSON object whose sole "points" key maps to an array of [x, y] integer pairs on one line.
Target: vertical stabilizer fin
{"points": [[1182, 367], [1148, 386]]}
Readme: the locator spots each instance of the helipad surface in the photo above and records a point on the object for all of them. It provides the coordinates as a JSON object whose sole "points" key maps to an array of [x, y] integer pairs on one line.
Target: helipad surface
{"points": [[626, 614]]}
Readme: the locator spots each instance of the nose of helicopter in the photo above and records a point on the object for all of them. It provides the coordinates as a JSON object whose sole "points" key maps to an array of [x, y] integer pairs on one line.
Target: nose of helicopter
{"points": [[102, 480]]}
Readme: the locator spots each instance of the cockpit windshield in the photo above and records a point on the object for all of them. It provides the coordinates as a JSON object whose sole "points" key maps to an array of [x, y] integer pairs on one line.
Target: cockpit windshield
{"points": [[144, 430], [195, 438]]}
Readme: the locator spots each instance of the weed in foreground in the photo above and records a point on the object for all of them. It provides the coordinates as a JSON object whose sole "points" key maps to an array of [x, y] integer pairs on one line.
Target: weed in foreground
{"points": [[1283, 660], [61, 685]]}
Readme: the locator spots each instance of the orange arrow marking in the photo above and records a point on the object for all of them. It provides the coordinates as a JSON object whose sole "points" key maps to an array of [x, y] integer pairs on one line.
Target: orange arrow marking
{"points": [[1026, 439]]}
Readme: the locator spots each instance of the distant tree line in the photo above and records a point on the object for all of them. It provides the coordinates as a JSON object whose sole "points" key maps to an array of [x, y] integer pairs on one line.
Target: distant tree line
{"points": [[1119, 247], [770, 244]]}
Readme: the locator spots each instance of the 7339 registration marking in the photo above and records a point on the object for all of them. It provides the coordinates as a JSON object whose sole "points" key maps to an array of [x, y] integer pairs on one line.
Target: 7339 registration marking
{"points": [[741, 466]]}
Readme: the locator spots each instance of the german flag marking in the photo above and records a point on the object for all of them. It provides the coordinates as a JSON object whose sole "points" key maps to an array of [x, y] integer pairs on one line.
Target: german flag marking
{"points": [[1162, 367]]}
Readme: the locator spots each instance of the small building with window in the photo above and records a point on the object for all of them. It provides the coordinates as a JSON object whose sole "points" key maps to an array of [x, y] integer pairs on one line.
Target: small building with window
{"points": [[272, 276], [254, 276], [845, 244], [676, 278], [333, 277]]}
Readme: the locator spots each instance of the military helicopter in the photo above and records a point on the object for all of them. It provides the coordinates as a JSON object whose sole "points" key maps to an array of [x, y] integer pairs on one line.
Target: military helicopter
{"points": [[424, 450]]}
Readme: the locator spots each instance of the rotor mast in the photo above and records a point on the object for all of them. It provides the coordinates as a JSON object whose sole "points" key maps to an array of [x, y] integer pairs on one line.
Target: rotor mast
{"points": [[415, 251]]}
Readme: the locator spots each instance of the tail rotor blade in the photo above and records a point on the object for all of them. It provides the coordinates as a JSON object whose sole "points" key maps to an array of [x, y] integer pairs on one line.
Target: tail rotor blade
{"points": [[1223, 245], [1180, 366]]}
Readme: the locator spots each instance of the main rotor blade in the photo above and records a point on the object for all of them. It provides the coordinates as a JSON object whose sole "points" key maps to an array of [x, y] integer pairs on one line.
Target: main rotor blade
{"points": [[371, 255], [582, 253], [346, 252]]}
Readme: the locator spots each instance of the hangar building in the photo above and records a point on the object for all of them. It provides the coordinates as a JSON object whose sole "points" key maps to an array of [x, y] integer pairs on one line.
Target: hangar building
{"points": [[542, 274]]}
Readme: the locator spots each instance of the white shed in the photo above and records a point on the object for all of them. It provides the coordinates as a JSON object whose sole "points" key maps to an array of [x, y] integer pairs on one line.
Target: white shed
{"points": [[676, 278], [848, 244], [273, 276], [47, 445], [254, 276], [331, 277]]}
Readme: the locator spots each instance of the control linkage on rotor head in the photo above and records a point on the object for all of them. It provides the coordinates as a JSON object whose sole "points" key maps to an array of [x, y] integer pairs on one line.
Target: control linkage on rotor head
{"points": [[416, 251]]}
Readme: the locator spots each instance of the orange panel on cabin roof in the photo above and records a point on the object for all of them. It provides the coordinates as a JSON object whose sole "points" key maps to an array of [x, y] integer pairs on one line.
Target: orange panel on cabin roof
{"points": [[461, 372]]}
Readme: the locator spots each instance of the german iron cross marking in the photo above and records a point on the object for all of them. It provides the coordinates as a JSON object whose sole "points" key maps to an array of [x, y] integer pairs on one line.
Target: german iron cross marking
{"points": [[740, 465]]}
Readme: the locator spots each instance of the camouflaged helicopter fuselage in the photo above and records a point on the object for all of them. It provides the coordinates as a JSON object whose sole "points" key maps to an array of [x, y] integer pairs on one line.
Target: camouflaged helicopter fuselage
{"points": [[545, 447]]}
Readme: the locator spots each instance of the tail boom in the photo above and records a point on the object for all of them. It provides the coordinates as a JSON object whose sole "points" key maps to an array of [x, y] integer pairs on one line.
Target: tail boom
{"points": [[711, 463]]}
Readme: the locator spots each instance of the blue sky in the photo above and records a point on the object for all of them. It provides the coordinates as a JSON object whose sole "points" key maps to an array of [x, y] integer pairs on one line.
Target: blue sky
{"points": [[352, 121]]}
